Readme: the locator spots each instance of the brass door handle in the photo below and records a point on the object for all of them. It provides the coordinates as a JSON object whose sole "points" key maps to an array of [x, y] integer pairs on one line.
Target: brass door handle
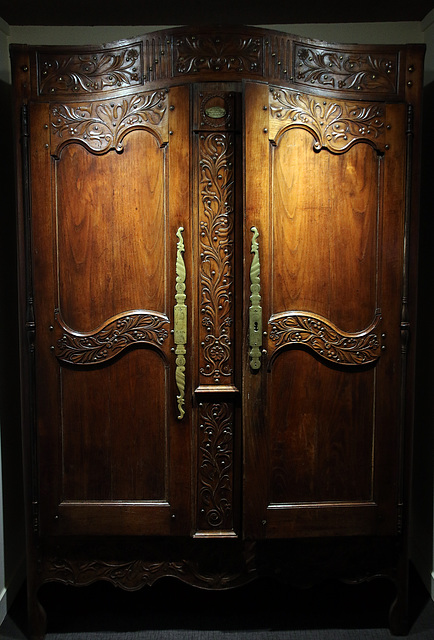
{"points": [[255, 310], [180, 324]]}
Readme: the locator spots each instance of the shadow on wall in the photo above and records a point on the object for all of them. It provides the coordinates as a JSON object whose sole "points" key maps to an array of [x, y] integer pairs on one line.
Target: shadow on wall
{"points": [[13, 517], [423, 475]]}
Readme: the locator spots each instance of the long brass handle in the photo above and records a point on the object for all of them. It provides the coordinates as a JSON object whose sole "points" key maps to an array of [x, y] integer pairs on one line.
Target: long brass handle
{"points": [[255, 310], [180, 324]]}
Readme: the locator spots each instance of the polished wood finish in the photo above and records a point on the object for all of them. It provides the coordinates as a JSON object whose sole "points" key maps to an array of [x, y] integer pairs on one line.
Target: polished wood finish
{"points": [[308, 149]]}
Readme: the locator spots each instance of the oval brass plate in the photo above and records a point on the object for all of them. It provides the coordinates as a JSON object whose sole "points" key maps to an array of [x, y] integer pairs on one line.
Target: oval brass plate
{"points": [[215, 112]]}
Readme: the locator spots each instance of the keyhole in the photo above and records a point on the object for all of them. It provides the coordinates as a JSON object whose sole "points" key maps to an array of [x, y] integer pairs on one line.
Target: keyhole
{"points": [[256, 327]]}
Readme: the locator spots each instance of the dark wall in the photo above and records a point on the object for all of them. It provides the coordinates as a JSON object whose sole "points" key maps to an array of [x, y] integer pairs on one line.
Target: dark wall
{"points": [[13, 518], [422, 516]]}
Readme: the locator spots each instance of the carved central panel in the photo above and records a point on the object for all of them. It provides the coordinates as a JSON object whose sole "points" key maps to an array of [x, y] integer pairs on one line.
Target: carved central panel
{"points": [[221, 53], [216, 225]]}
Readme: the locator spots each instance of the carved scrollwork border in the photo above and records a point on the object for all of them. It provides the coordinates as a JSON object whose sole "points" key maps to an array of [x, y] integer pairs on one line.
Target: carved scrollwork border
{"points": [[301, 329], [102, 125], [90, 72], [335, 125], [111, 338]]}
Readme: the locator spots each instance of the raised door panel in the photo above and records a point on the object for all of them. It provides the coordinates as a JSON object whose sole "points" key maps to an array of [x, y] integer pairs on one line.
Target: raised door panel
{"points": [[113, 453], [323, 417]]}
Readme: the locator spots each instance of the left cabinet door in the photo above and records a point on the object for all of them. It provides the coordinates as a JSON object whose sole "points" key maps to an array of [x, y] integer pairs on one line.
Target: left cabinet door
{"points": [[109, 192]]}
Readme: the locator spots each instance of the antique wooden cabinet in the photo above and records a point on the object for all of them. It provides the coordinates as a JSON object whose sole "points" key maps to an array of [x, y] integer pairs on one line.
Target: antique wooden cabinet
{"points": [[218, 234]]}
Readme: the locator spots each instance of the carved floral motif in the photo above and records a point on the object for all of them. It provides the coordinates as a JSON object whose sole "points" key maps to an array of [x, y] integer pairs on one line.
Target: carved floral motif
{"points": [[215, 466], [301, 329], [111, 338], [218, 53], [347, 71], [89, 72], [216, 246], [335, 125], [101, 126]]}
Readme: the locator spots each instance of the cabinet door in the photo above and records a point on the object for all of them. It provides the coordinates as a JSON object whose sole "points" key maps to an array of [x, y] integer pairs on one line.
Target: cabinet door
{"points": [[325, 192], [110, 190]]}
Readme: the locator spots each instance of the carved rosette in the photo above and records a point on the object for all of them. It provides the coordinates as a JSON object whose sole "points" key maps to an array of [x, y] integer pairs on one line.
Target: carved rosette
{"points": [[215, 467], [303, 330], [90, 72], [113, 337], [216, 151], [222, 53], [101, 126], [335, 125], [351, 71]]}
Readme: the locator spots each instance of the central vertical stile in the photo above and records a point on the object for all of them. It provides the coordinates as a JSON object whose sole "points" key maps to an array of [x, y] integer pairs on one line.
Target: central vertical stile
{"points": [[216, 150]]}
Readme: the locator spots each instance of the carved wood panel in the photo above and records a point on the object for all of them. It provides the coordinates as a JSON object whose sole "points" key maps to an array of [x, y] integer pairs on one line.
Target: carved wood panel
{"points": [[90, 72], [337, 69], [215, 467], [216, 159], [301, 329], [335, 125], [111, 339], [103, 125], [218, 53]]}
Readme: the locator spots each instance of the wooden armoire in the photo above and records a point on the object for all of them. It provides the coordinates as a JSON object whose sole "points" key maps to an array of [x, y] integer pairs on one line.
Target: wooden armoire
{"points": [[217, 258]]}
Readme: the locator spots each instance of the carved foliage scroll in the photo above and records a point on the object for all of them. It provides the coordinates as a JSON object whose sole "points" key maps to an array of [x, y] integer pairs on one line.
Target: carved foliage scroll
{"points": [[217, 54], [335, 125], [300, 329], [90, 72], [350, 71], [216, 151], [215, 466], [101, 126], [137, 563], [113, 337]]}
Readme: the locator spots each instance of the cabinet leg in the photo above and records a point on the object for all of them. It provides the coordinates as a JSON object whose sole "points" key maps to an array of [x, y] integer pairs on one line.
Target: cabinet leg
{"points": [[399, 616], [37, 617]]}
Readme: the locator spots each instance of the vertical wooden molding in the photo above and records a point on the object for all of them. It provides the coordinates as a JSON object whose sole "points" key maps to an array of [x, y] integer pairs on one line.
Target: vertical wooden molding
{"points": [[30, 322], [405, 318]]}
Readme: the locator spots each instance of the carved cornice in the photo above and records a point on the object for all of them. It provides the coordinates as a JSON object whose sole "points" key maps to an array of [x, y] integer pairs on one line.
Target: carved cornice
{"points": [[347, 71], [216, 246], [90, 72], [163, 57], [111, 338], [215, 463], [217, 53], [101, 126], [335, 125], [306, 330]]}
